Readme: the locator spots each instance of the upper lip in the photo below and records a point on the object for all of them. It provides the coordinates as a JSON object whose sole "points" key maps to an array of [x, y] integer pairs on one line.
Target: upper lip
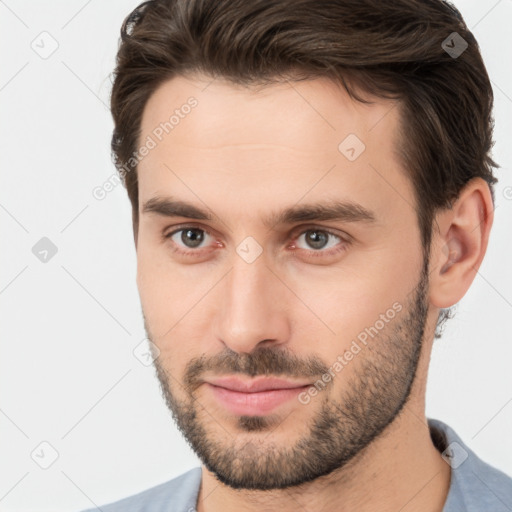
{"points": [[255, 385]]}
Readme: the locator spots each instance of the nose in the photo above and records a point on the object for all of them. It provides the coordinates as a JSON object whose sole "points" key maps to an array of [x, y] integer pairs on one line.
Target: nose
{"points": [[253, 307]]}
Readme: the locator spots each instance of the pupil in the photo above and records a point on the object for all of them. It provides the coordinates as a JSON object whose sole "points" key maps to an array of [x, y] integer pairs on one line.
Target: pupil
{"points": [[317, 239], [195, 237]]}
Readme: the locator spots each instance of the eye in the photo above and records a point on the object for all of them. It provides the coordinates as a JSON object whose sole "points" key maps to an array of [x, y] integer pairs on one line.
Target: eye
{"points": [[190, 238], [315, 242], [320, 241]]}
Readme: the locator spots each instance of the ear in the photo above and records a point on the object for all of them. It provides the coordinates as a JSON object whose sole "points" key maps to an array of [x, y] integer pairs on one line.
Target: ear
{"points": [[459, 245]]}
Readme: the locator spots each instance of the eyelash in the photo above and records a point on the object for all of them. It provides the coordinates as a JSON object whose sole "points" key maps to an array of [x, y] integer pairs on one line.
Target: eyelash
{"points": [[342, 246]]}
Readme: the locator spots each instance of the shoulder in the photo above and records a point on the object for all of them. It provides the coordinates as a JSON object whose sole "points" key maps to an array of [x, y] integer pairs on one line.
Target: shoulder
{"points": [[475, 485], [176, 495]]}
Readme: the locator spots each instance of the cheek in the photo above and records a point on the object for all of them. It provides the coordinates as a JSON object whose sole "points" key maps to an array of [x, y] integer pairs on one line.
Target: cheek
{"points": [[363, 301], [165, 312], [176, 302], [158, 287]]}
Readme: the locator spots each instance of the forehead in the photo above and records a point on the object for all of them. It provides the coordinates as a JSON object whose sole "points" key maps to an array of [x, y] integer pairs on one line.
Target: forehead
{"points": [[281, 140], [224, 108]]}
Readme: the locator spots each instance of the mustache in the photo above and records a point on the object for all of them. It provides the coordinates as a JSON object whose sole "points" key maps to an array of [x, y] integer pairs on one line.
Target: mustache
{"points": [[263, 361]]}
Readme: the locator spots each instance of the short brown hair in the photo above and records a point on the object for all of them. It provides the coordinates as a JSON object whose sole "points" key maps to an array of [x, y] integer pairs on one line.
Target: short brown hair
{"points": [[387, 49]]}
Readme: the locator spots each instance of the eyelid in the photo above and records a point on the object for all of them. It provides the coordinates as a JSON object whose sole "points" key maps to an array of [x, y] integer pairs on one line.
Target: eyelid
{"points": [[302, 229], [345, 241], [183, 227], [295, 233]]}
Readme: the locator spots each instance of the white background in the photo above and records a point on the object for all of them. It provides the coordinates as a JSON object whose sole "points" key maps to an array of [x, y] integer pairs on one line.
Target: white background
{"points": [[68, 375]]}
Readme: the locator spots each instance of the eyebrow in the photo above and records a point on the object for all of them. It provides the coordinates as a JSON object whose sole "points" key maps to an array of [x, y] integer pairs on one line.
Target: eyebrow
{"points": [[330, 210]]}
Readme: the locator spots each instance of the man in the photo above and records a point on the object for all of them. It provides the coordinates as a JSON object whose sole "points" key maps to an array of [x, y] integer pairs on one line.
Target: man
{"points": [[311, 185]]}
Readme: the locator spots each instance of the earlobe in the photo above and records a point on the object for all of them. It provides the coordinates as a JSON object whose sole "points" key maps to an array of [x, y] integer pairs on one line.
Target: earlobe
{"points": [[459, 245]]}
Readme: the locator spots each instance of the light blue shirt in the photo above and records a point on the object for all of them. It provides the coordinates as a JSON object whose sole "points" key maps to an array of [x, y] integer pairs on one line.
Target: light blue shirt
{"points": [[474, 487]]}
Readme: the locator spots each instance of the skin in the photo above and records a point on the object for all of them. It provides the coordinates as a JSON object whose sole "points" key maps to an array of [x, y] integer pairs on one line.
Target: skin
{"points": [[242, 153]]}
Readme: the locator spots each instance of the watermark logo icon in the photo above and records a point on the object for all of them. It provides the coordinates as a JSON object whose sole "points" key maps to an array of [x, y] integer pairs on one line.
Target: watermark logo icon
{"points": [[45, 45], [351, 147], [454, 45], [454, 454], [249, 249], [146, 352], [44, 250], [44, 455]]}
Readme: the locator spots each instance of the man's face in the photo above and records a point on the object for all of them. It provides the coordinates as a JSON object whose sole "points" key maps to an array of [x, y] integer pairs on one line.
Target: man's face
{"points": [[249, 294]]}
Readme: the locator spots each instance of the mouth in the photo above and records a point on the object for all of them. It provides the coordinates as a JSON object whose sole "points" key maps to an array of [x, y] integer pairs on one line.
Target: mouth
{"points": [[256, 396]]}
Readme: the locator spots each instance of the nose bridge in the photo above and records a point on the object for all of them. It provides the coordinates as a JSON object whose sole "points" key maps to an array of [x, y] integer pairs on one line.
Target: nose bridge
{"points": [[251, 311]]}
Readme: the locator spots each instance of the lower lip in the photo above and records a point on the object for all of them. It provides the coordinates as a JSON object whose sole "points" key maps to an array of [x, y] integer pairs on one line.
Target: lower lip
{"points": [[258, 403]]}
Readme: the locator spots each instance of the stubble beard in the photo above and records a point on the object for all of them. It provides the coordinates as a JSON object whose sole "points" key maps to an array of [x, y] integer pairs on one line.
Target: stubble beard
{"points": [[370, 401]]}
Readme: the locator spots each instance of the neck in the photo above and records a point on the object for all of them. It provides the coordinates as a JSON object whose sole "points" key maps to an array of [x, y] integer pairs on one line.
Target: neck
{"points": [[401, 470]]}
